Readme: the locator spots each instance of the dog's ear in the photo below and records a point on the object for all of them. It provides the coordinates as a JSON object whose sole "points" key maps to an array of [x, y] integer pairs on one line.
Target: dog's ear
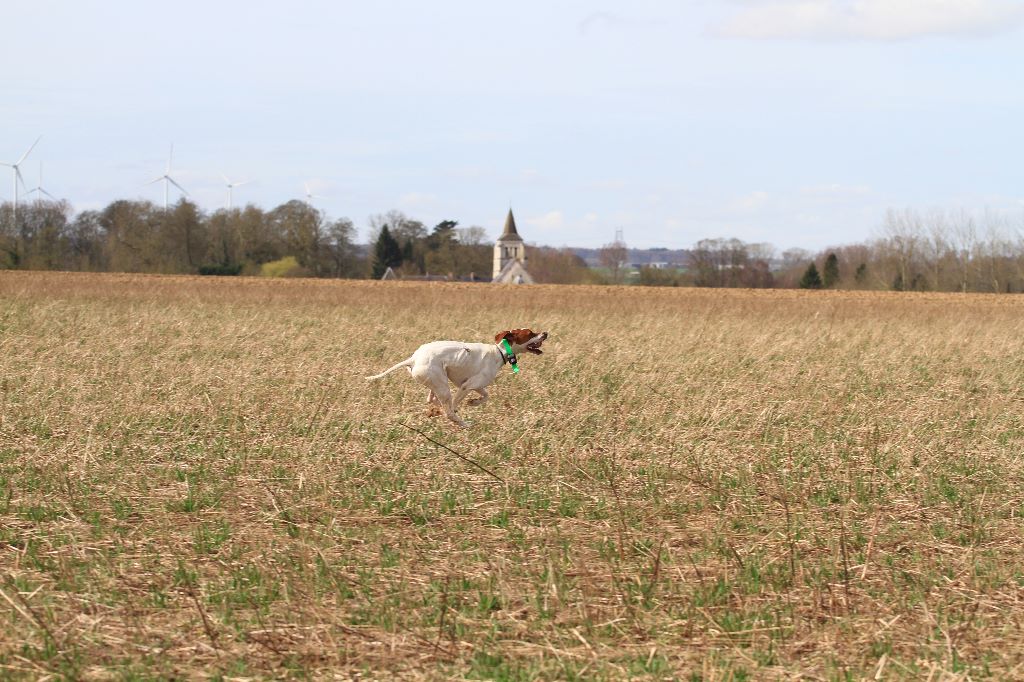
{"points": [[501, 335]]}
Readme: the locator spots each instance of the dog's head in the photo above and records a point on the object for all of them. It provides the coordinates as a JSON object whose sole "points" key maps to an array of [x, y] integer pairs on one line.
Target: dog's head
{"points": [[522, 339]]}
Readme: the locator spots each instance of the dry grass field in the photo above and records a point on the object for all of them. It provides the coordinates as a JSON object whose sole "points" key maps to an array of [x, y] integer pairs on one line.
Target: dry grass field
{"points": [[196, 481]]}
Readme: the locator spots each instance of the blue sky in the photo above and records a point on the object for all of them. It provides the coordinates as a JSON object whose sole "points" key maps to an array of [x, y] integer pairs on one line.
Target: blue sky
{"points": [[794, 122]]}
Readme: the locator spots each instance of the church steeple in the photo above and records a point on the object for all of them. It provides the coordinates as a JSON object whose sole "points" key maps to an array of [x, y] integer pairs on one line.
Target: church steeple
{"points": [[510, 234], [510, 255]]}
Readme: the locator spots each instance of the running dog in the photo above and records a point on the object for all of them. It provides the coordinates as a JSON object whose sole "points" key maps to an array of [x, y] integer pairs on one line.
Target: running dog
{"points": [[469, 366]]}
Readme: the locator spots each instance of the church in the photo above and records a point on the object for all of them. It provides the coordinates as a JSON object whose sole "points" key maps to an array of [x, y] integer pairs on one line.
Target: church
{"points": [[510, 256]]}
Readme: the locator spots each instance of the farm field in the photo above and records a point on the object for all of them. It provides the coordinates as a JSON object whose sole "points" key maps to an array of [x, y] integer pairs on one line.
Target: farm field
{"points": [[197, 481]]}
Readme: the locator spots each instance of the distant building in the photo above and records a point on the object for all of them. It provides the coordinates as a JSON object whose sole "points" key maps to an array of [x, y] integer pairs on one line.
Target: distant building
{"points": [[390, 274], [510, 256]]}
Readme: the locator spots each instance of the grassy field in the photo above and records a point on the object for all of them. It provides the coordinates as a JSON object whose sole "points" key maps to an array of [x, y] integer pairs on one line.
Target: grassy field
{"points": [[196, 481]]}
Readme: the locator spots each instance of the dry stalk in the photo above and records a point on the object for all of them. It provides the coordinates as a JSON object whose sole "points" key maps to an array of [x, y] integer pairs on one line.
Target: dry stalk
{"points": [[458, 454]]}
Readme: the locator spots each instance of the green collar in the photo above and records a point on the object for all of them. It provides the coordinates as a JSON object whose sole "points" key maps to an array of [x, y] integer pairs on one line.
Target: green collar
{"points": [[508, 356]]}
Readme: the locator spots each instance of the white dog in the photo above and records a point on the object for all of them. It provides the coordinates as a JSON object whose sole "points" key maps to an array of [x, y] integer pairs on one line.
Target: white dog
{"points": [[470, 366]]}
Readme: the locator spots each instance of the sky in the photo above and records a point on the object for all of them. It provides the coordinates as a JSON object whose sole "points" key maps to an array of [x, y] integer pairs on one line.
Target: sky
{"points": [[792, 122]]}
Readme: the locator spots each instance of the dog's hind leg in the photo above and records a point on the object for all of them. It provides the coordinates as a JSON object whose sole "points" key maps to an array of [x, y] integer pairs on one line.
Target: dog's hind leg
{"points": [[437, 382], [448, 405], [433, 405]]}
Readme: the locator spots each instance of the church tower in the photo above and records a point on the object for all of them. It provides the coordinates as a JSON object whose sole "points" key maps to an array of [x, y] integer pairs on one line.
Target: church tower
{"points": [[510, 256]]}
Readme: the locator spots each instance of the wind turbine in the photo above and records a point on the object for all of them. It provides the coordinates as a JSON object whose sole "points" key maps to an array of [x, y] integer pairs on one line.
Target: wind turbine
{"points": [[166, 177], [16, 172], [231, 186], [39, 188], [309, 194]]}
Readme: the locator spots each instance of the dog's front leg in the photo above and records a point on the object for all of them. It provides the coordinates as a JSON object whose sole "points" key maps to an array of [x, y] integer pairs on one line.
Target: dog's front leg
{"points": [[459, 396], [481, 400]]}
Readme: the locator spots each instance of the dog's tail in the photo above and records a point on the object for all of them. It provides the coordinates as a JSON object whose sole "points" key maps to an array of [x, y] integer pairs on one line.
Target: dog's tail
{"points": [[404, 363]]}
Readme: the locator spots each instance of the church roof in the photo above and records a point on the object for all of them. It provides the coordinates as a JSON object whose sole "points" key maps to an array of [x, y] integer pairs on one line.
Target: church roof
{"points": [[510, 234], [513, 273]]}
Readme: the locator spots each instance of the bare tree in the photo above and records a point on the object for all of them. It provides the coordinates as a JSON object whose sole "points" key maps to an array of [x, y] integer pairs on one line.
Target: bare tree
{"points": [[471, 236], [936, 251], [726, 263], [402, 227], [995, 252], [128, 227], [964, 237], [903, 234], [302, 228], [615, 257], [558, 266], [39, 242], [339, 248]]}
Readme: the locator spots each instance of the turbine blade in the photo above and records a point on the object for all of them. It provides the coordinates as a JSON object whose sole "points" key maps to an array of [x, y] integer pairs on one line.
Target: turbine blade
{"points": [[25, 155], [239, 184], [47, 194], [171, 180], [17, 172], [226, 181], [152, 181]]}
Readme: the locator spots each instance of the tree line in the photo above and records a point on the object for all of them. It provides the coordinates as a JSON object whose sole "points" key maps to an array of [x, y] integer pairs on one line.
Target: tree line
{"points": [[915, 251], [922, 251], [294, 239]]}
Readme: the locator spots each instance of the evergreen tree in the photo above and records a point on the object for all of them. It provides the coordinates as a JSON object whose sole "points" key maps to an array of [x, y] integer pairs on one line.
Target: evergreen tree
{"points": [[830, 273], [811, 278], [443, 233], [442, 253], [386, 254]]}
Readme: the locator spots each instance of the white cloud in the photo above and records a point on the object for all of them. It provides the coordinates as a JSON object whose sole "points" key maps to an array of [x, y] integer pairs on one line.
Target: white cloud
{"points": [[317, 185], [531, 177], [835, 190], [752, 202], [597, 19], [417, 200], [555, 228], [883, 20], [552, 220], [606, 185], [470, 173]]}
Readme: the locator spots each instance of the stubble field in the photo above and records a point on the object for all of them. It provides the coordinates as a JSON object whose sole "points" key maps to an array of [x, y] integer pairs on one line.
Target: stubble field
{"points": [[196, 481]]}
